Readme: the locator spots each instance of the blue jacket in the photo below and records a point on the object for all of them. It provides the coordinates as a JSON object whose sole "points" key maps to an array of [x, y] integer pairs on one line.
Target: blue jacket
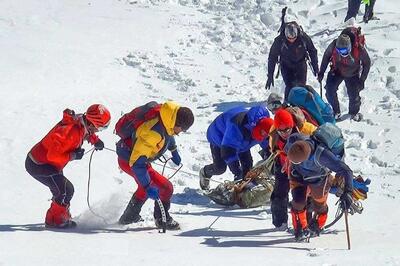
{"points": [[319, 164], [231, 131]]}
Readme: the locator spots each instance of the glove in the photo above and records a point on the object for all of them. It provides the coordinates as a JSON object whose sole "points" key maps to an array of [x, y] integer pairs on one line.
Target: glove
{"points": [[176, 158], [77, 154], [270, 81], [152, 192], [99, 145], [346, 200], [361, 85], [320, 77]]}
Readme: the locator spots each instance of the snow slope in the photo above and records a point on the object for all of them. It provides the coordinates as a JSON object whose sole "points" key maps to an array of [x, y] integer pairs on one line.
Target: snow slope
{"points": [[210, 56]]}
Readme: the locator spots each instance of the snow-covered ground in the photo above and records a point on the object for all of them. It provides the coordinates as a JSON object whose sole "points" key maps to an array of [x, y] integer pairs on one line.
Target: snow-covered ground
{"points": [[208, 55]]}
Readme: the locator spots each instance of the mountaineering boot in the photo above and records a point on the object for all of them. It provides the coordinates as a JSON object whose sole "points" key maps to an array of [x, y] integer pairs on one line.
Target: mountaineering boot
{"points": [[317, 224], [171, 224], [338, 116], [357, 117], [58, 216], [204, 180], [131, 213], [300, 226]]}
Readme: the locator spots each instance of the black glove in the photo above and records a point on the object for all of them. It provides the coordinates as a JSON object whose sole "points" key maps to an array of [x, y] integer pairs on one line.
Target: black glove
{"points": [[361, 85], [99, 145], [270, 81], [77, 154], [346, 200], [320, 77]]}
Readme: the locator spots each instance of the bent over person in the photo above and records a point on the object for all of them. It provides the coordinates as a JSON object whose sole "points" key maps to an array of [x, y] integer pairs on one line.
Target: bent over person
{"points": [[231, 136], [153, 129], [47, 159]]}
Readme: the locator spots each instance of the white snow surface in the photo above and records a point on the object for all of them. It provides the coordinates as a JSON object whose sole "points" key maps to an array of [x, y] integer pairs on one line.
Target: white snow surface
{"points": [[205, 54]]}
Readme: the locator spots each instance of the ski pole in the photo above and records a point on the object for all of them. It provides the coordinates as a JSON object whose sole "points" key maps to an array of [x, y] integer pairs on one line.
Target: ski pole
{"points": [[346, 213], [163, 216], [320, 88]]}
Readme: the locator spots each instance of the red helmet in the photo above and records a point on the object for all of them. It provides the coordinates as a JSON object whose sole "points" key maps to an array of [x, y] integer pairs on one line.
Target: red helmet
{"points": [[98, 115]]}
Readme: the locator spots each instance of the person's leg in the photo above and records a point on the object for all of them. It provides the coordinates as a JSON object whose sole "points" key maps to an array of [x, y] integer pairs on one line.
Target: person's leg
{"points": [[289, 78], [369, 11], [279, 196], [352, 10], [298, 210], [166, 191], [246, 161], [353, 91], [58, 214], [218, 167], [332, 84], [319, 194], [131, 213]]}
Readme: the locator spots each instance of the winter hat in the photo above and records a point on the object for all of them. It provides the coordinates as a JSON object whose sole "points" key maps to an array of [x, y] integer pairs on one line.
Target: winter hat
{"points": [[299, 151], [283, 119], [261, 130], [274, 102], [343, 41], [184, 118]]}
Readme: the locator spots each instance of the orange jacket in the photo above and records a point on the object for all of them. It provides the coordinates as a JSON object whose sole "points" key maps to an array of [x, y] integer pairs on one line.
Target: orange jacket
{"points": [[57, 146]]}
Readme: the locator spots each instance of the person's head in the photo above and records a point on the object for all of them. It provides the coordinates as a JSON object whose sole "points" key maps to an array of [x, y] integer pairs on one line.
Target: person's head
{"points": [[283, 123], [261, 130], [291, 32], [299, 152], [343, 45], [97, 118], [274, 102], [184, 120]]}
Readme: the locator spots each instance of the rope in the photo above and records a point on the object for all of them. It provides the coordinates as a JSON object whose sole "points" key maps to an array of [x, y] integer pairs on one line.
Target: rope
{"points": [[88, 190], [171, 168]]}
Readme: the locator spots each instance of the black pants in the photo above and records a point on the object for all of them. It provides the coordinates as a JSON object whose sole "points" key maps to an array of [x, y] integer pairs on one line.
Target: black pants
{"points": [[294, 76], [354, 6], [353, 91], [218, 167], [279, 197], [61, 188]]}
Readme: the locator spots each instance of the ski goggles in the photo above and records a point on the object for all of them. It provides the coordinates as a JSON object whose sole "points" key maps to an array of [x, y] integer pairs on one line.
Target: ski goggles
{"points": [[272, 106], [103, 127], [343, 51]]}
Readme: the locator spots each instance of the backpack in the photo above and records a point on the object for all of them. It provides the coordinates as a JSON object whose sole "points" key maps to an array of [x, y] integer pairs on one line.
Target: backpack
{"points": [[128, 123], [307, 98], [330, 137], [357, 41]]}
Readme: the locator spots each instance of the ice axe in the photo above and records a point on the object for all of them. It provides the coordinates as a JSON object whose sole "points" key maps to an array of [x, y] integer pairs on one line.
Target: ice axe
{"points": [[163, 216]]}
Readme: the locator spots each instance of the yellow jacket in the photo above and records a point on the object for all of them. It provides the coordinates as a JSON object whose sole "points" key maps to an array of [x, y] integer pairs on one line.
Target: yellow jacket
{"points": [[153, 137]]}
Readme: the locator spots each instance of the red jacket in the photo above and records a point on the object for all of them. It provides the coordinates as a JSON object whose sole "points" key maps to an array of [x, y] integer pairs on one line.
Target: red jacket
{"points": [[57, 146]]}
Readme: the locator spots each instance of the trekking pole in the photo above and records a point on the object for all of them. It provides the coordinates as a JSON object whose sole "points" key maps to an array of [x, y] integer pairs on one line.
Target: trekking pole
{"points": [[163, 216], [320, 88], [346, 213]]}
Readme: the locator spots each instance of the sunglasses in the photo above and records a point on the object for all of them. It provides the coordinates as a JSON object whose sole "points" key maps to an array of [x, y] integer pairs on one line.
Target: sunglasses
{"points": [[343, 51], [274, 105], [295, 162], [285, 131]]}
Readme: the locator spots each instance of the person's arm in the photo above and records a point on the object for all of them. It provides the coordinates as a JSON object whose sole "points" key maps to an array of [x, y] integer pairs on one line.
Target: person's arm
{"points": [[273, 56], [312, 51], [333, 163], [326, 59], [366, 64]]}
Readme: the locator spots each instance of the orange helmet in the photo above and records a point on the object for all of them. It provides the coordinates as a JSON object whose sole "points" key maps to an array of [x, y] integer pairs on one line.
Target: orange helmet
{"points": [[98, 115]]}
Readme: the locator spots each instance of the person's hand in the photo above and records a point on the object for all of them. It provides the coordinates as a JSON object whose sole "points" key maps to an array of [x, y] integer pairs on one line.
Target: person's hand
{"points": [[270, 81], [346, 200], [99, 145], [176, 158], [77, 154], [152, 192]]}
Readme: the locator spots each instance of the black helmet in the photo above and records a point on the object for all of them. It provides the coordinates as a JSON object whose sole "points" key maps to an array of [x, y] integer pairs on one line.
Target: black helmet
{"points": [[291, 31]]}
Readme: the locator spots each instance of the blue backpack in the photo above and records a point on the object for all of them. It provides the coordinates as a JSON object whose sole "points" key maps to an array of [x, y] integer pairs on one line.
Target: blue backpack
{"points": [[307, 98], [330, 137]]}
